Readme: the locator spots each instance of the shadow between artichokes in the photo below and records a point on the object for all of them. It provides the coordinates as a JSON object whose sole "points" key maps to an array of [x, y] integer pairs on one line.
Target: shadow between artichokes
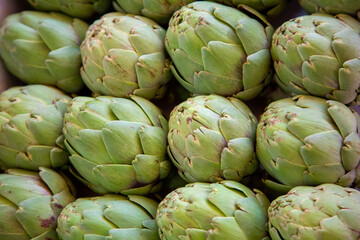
{"points": [[212, 138], [217, 49], [224, 210], [327, 211], [109, 217], [308, 140], [54, 38], [117, 145], [31, 202], [124, 55], [31, 122]]}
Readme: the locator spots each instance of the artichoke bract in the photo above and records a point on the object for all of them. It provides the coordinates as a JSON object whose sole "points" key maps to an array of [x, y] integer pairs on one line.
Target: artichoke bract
{"points": [[31, 202], [109, 217], [124, 55], [31, 122], [158, 10], [218, 49], [43, 48], [318, 55], [307, 140], [349, 7], [212, 138], [327, 211], [117, 145], [268, 7], [74, 8], [224, 210]]}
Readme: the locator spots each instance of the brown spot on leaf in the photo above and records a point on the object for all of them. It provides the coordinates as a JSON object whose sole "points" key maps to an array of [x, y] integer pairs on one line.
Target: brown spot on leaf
{"points": [[59, 206], [46, 223]]}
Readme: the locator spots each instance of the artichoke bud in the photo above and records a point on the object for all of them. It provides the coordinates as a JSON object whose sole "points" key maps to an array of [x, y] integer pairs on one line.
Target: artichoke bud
{"points": [[54, 37], [124, 55], [270, 8], [351, 7], [31, 202], [109, 216], [223, 210], [217, 49], [212, 138], [74, 8], [318, 55], [117, 145], [31, 122], [307, 140], [158, 10], [327, 211]]}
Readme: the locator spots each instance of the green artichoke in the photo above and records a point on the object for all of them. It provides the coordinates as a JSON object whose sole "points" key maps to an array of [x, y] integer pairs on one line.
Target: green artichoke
{"points": [[219, 49], [268, 7], [31, 122], [212, 138], [318, 55], [327, 211], [31, 202], [75, 8], [109, 217], [124, 55], [307, 140], [117, 145], [225, 210], [159, 10], [43, 48], [350, 7]]}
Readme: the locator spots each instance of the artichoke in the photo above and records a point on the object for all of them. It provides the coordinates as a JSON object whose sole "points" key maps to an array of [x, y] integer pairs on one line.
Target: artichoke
{"points": [[350, 7], [219, 49], [109, 217], [327, 211], [319, 55], [31, 202], [31, 122], [124, 55], [212, 138], [307, 140], [75, 8], [224, 210], [43, 48], [117, 145], [159, 10], [269, 7]]}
